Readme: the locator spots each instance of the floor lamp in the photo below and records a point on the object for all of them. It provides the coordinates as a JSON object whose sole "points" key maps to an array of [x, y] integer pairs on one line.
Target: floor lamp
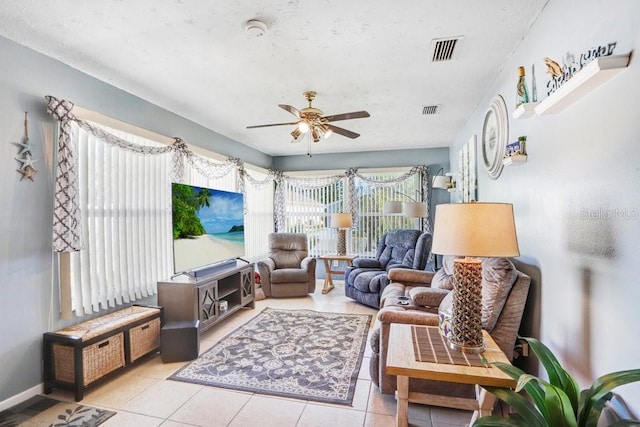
{"points": [[343, 222], [473, 230]]}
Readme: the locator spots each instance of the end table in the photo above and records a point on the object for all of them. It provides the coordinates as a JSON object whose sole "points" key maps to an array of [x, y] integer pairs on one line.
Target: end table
{"points": [[327, 259]]}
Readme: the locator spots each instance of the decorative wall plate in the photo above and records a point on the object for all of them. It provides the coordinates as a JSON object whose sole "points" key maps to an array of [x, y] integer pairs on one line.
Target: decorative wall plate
{"points": [[495, 133]]}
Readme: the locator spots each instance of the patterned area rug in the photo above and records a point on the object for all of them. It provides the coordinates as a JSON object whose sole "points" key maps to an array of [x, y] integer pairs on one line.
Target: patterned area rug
{"points": [[301, 354], [42, 411]]}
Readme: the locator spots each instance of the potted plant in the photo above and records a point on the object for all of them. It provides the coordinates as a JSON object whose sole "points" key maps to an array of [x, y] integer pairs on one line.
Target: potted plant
{"points": [[557, 402]]}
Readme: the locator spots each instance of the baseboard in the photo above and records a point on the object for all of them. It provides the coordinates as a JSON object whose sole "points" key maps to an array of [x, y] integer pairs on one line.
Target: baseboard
{"points": [[21, 397]]}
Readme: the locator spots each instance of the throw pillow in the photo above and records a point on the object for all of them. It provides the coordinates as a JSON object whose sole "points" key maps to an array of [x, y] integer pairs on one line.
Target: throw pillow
{"points": [[443, 278], [498, 277]]}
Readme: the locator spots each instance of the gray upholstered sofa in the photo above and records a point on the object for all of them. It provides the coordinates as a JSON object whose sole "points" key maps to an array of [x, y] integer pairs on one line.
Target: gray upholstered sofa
{"points": [[289, 271], [504, 294], [366, 279]]}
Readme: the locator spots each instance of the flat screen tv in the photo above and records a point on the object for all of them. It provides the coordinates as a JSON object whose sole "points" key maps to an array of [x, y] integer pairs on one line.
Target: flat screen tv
{"points": [[208, 226]]}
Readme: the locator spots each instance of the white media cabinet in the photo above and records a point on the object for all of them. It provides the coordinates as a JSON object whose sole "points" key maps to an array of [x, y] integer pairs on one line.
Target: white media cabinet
{"points": [[204, 297]]}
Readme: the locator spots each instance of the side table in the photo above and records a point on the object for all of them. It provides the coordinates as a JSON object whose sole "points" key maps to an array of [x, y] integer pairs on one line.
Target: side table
{"points": [[327, 259], [401, 362]]}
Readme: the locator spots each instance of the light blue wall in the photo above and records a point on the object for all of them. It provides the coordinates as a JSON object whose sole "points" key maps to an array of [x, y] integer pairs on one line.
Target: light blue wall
{"points": [[577, 199], [28, 294]]}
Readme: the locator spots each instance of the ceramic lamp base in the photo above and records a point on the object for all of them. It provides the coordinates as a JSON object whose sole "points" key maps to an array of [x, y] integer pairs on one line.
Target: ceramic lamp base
{"points": [[466, 322]]}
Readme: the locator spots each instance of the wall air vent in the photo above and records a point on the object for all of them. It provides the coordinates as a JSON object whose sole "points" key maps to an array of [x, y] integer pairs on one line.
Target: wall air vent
{"points": [[445, 49], [430, 110]]}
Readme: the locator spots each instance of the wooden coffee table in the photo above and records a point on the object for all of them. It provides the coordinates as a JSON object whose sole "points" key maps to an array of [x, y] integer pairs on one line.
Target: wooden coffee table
{"points": [[401, 362], [327, 259]]}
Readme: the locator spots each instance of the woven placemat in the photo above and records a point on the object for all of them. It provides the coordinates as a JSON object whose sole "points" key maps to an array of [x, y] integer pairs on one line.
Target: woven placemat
{"points": [[430, 346]]}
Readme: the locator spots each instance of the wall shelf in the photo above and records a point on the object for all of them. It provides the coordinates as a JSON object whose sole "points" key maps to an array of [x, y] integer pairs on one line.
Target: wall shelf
{"points": [[525, 110], [584, 81], [516, 159]]}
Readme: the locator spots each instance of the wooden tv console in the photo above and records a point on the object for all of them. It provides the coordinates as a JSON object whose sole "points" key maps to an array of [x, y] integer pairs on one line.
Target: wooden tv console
{"points": [[204, 297]]}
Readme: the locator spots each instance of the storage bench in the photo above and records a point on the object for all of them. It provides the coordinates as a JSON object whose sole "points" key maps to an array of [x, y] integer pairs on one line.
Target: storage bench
{"points": [[81, 354]]}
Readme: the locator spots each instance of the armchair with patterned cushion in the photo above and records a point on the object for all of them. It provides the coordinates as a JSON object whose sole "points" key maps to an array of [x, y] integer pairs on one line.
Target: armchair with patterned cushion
{"points": [[289, 271], [419, 298], [402, 248]]}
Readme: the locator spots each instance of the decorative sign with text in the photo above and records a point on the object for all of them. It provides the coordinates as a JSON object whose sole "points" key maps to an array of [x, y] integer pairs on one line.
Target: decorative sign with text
{"points": [[571, 65]]}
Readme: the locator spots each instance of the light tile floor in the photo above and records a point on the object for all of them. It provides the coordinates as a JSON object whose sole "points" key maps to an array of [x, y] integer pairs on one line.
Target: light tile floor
{"points": [[143, 397]]}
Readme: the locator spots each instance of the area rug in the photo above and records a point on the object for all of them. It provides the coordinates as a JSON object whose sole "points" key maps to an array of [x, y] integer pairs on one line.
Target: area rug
{"points": [[42, 411], [299, 354]]}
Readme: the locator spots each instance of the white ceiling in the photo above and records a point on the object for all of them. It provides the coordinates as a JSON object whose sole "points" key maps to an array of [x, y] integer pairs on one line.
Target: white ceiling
{"points": [[194, 58]]}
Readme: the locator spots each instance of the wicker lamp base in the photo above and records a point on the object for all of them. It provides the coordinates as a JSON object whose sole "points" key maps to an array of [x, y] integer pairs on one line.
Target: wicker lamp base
{"points": [[466, 322], [342, 241]]}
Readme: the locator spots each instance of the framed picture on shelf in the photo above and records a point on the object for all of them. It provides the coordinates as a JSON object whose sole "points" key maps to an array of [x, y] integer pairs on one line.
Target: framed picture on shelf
{"points": [[513, 149]]}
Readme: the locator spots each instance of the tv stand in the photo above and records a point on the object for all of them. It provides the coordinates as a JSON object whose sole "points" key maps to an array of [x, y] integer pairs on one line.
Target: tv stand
{"points": [[204, 297]]}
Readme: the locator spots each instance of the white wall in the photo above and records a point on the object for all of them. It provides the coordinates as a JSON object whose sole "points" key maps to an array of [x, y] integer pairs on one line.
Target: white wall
{"points": [[577, 199]]}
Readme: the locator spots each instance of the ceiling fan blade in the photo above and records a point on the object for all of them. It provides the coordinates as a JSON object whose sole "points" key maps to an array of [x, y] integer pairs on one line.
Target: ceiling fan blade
{"points": [[273, 124], [290, 109], [347, 116], [343, 132]]}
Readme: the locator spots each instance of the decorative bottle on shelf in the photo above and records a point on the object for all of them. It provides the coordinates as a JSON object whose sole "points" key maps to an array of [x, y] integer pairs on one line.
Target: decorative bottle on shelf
{"points": [[522, 95], [534, 89]]}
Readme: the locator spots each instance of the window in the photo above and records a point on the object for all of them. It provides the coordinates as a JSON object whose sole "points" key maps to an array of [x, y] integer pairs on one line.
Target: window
{"points": [[125, 223], [372, 222], [125, 203], [310, 199]]}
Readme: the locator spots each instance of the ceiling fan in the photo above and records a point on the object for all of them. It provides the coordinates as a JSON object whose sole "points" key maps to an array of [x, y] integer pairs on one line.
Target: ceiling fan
{"points": [[311, 119]]}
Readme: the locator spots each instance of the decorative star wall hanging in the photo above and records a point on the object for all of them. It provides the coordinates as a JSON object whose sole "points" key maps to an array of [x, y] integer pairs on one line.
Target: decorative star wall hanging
{"points": [[26, 162]]}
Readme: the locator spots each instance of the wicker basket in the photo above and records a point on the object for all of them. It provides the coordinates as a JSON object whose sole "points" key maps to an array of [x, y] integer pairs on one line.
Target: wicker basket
{"points": [[144, 338], [97, 360]]}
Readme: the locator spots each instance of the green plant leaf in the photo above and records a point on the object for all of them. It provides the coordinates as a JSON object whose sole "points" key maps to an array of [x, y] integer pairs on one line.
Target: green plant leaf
{"points": [[556, 373], [532, 389], [560, 409], [592, 400], [522, 406]]}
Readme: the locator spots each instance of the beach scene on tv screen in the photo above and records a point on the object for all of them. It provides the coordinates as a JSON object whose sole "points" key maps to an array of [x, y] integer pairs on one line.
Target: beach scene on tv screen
{"points": [[208, 226]]}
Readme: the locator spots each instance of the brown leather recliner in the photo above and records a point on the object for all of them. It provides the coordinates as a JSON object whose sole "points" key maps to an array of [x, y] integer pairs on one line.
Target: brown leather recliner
{"points": [[289, 271], [505, 291]]}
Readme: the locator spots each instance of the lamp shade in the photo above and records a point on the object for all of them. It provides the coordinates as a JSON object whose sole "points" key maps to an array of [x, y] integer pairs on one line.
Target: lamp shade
{"points": [[441, 181], [392, 207], [341, 220], [414, 209], [475, 230]]}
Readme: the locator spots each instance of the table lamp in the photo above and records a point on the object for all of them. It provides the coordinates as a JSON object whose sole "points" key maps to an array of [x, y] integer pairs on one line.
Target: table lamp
{"points": [[472, 230], [342, 221]]}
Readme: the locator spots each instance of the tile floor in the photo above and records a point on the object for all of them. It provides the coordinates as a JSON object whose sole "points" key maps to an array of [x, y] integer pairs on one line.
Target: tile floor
{"points": [[143, 397]]}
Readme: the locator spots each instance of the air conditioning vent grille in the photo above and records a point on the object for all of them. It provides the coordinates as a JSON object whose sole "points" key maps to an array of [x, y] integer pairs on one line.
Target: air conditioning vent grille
{"points": [[444, 49], [429, 110]]}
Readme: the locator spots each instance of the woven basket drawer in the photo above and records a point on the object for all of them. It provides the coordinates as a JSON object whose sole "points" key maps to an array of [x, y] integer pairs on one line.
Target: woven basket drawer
{"points": [[144, 338], [97, 359]]}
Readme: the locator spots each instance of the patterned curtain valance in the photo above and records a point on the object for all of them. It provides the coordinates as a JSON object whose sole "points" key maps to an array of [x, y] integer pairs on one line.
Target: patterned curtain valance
{"points": [[66, 216], [66, 227]]}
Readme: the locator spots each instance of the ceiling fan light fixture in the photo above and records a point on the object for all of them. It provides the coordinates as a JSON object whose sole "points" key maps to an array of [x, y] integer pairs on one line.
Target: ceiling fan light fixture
{"points": [[315, 134], [296, 133], [328, 133], [303, 126]]}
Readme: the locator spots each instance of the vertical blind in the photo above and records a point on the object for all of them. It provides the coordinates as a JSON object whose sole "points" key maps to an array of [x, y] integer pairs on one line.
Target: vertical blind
{"points": [[126, 223], [125, 200], [309, 209]]}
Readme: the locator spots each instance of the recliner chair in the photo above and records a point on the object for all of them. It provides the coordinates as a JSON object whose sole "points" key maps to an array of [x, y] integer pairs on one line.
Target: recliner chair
{"points": [[366, 279], [289, 271]]}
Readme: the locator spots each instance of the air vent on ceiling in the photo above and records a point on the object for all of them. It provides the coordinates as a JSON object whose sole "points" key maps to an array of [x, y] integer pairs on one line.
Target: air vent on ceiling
{"points": [[445, 49], [429, 110]]}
